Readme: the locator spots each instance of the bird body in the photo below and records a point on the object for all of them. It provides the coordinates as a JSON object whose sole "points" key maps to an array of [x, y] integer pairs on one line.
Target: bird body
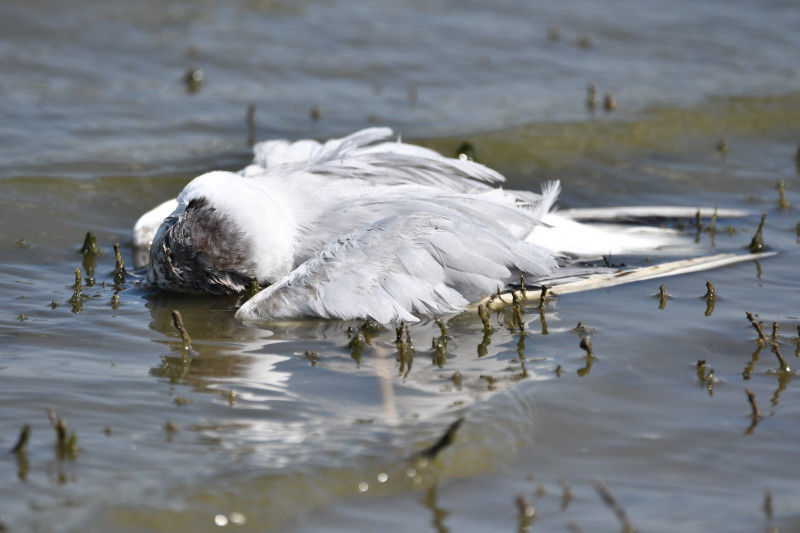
{"points": [[361, 227]]}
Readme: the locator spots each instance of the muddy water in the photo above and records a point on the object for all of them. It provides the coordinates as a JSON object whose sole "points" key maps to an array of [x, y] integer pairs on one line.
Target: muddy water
{"points": [[288, 428]]}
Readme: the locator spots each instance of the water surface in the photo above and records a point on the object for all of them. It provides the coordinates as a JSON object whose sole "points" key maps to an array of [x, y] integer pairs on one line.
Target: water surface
{"points": [[285, 428]]}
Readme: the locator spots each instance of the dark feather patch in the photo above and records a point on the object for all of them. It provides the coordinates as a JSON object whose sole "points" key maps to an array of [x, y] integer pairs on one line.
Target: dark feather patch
{"points": [[203, 251]]}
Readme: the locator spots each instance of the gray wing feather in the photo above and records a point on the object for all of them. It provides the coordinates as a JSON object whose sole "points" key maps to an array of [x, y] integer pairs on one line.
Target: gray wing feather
{"points": [[403, 266]]}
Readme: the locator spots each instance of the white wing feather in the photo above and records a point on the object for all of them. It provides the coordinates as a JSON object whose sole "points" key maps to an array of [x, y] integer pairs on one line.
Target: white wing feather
{"points": [[357, 156]]}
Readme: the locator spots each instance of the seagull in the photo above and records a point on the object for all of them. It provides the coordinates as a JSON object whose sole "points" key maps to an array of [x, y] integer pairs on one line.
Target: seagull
{"points": [[367, 226]]}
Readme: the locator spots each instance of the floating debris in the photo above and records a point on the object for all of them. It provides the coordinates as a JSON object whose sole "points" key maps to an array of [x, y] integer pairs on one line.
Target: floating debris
{"points": [[357, 345], [466, 152], [543, 295], [518, 311], [706, 376], [445, 441], [722, 146], [315, 114], [784, 365], [583, 372], [591, 97], [90, 245], [566, 494], [586, 344], [252, 289], [483, 313], [66, 444], [757, 244], [442, 328], [483, 347], [193, 79], [712, 225], [748, 369], [405, 349], [231, 397], [439, 352], [711, 292], [181, 401], [540, 490], [615, 506], [663, 296], [711, 298], [526, 513], [521, 355], [372, 327], [783, 203], [609, 102], [490, 381], [77, 294], [553, 34], [797, 342], [20, 450], [584, 42], [119, 271], [177, 321], [701, 369], [311, 355], [768, 508], [439, 345], [456, 378], [698, 223], [22, 441], [757, 325], [755, 411], [541, 308]]}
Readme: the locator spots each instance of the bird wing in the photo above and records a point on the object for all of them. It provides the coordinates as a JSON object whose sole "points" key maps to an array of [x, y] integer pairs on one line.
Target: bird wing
{"points": [[494, 210], [362, 156], [590, 278], [405, 265]]}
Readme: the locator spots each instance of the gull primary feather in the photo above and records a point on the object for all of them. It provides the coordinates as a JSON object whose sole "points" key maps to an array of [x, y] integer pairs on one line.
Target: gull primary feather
{"points": [[365, 227]]}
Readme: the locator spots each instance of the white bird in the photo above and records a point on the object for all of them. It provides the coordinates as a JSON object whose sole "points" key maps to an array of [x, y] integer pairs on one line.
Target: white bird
{"points": [[362, 227]]}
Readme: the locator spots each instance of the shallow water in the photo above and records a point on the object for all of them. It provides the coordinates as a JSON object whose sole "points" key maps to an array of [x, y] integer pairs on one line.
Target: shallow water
{"points": [[252, 430]]}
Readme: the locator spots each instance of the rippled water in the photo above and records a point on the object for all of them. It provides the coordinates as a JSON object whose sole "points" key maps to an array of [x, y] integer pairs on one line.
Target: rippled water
{"points": [[289, 429]]}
